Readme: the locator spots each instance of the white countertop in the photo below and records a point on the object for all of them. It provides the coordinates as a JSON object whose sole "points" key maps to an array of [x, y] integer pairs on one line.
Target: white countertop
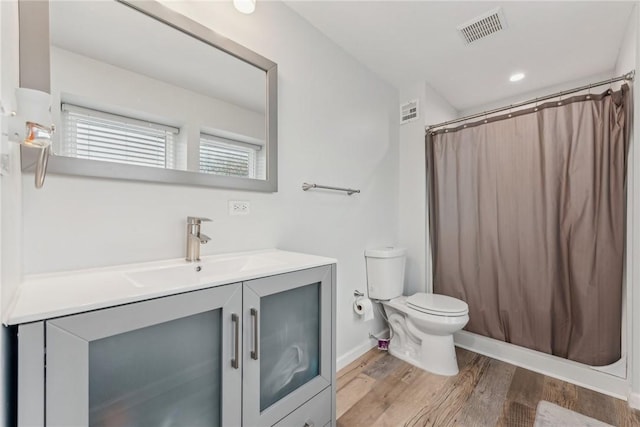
{"points": [[45, 296]]}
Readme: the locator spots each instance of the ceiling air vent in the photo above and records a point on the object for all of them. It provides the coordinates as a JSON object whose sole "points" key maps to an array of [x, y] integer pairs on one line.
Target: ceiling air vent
{"points": [[409, 112], [483, 26]]}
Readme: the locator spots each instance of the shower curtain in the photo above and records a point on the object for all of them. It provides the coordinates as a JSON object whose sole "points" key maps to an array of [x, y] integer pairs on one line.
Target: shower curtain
{"points": [[527, 222]]}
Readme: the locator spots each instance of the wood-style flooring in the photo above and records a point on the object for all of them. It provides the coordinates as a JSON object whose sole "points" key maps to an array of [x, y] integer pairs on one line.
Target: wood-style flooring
{"points": [[380, 390]]}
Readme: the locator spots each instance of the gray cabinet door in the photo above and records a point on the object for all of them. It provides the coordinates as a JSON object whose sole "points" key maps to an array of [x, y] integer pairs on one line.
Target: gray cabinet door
{"points": [[162, 362], [287, 341]]}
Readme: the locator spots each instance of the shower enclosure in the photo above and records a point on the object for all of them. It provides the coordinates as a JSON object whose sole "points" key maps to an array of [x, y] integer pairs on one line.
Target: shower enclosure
{"points": [[527, 221]]}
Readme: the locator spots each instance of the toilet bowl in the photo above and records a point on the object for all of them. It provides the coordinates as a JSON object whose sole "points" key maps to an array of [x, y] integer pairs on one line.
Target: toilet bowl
{"points": [[422, 325], [424, 336]]}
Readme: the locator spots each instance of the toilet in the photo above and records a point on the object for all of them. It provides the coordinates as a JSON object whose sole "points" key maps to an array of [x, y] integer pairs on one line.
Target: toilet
{"points": [[421, 325]]}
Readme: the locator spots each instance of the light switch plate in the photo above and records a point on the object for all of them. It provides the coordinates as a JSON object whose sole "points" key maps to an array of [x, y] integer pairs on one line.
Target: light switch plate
{"points": [[239, 207]]}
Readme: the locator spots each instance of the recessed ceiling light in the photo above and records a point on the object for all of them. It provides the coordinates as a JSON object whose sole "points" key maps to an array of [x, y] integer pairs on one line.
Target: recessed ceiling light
{"points": [[516, 77], [245, 6]]}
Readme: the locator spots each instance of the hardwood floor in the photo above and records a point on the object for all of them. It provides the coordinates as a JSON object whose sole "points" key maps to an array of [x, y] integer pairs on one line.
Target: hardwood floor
{"points": [[380, 390]]}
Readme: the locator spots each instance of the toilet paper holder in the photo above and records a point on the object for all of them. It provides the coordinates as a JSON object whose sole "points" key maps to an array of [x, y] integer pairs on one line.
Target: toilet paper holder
{"points": [[362, 306]]}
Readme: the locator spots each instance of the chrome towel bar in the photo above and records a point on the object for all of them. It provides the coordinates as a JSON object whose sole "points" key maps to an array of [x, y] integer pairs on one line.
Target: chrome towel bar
{"points": [[350, 191]]}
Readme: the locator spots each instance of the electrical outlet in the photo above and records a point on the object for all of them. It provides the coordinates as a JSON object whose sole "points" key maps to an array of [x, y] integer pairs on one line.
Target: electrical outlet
{"points": [[239, 207]]}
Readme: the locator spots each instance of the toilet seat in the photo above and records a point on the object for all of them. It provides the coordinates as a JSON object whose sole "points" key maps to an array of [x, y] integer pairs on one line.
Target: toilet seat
{"points": [[437, 305]]}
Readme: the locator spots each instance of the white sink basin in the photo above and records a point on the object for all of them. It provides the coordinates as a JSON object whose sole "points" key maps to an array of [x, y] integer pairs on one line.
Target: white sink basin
{"points": [[201, 272], [44, 296]]}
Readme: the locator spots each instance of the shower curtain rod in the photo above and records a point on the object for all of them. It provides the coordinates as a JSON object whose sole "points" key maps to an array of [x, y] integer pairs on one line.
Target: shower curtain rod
{"points": [[628, 76]]}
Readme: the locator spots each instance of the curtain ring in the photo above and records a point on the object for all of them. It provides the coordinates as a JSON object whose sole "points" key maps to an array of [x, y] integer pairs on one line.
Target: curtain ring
{"points": [[610, 86], [535, 108], [589, 92], [560, 101], [485, 119], [510, 108]]}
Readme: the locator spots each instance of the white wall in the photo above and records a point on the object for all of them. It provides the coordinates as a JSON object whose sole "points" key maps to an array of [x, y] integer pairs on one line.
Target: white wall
{"points": [[10, 193], [627, 60], [627, 54], [413, 230], [10, 190], [337, 126]]}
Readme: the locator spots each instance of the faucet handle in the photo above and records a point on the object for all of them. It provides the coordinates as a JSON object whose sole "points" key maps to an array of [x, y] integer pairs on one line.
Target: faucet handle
{"points": [[196, 220]]}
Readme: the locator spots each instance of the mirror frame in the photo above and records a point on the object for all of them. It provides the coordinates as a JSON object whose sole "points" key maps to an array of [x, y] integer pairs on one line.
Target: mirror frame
{"points": [[35, 74]]}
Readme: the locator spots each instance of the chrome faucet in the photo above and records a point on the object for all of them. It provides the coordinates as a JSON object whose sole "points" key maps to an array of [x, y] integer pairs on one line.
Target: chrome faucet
{"points": [[195, 238]]}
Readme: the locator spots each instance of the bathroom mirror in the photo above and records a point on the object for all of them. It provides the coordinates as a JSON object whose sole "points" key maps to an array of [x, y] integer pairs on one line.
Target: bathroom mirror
{"points": [[140, 92]]}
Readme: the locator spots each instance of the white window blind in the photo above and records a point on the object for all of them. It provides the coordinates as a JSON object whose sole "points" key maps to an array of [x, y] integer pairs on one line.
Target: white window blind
{"points": [[97, 135], [223, 156]]}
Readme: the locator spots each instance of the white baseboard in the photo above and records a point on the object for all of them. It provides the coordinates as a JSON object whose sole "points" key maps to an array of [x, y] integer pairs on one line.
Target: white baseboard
{"points": [[358, 351], [634, 400], [557, 367]]}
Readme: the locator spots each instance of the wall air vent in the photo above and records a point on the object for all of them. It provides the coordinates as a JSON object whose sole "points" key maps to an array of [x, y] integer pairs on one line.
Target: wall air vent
{"points": [[409, 112], [483, 26]]}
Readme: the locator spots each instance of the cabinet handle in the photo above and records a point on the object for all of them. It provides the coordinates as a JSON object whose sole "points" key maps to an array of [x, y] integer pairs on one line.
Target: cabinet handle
{"points": [[255, 351], [309, 423], [235, 362]]}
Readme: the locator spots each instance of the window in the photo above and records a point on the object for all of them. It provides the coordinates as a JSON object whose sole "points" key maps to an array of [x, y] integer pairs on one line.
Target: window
{"points": [[223, 156], [97, 135]]}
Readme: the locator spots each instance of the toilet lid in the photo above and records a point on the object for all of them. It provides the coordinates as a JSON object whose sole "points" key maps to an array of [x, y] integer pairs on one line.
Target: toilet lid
{"points": [[440, 305]]}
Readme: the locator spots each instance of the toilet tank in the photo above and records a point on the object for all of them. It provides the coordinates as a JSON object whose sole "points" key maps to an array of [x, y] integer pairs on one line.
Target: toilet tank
{"points": [[385, 272]]}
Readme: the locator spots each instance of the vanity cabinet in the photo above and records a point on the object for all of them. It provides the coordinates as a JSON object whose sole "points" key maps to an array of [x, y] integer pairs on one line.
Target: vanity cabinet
{"points": [[256, 353]]}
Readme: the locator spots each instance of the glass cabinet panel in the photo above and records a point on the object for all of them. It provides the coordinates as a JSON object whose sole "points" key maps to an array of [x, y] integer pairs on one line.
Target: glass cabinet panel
{"points": [[289, 340], [163, 362], [140, 378], [287, 330]]}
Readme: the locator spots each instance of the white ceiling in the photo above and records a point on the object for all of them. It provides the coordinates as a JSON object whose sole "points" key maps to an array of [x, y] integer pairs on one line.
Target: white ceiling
{"points": [[406, 42]]}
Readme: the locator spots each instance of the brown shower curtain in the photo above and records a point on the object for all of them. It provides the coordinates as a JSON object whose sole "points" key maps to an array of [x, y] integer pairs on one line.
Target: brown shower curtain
{"points": [[527, 221]]}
